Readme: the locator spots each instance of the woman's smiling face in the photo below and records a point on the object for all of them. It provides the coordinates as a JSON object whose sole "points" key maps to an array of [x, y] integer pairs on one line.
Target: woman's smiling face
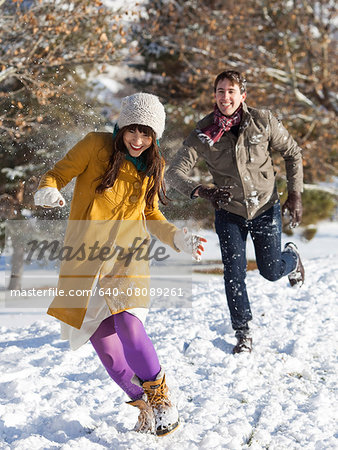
{"points": [[135, 141]]}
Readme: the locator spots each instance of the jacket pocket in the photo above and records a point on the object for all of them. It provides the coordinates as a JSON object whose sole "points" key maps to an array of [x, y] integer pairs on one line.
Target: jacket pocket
{"points": [[258, 149], [108, 205], [116, 194], [265, 181], [267, 174]]}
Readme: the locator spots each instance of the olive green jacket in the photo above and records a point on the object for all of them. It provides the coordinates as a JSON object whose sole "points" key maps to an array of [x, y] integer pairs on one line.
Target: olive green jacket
{"points": [[243, 162]]}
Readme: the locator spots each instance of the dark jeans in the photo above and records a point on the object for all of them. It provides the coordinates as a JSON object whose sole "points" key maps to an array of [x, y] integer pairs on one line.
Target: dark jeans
{"points": [[272, 263]]}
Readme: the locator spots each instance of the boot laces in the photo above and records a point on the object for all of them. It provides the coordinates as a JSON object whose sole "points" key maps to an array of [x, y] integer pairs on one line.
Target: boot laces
{"points": [[158, 396]]}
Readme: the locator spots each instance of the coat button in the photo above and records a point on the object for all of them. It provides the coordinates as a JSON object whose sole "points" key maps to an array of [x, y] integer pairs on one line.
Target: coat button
{"points": [[137, 185], [133, 198]]}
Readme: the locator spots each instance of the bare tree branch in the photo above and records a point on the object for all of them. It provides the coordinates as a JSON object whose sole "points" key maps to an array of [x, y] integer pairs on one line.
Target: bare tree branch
{"points": [[7, 73]]}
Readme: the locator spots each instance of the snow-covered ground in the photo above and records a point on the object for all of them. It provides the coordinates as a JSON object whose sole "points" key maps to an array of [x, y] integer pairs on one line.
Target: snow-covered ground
{"points": [[281, 396]]}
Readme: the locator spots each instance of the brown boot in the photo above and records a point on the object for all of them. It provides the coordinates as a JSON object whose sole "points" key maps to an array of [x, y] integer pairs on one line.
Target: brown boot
{"points": [[166, 414], [297, 276], [244, 342], [146, 418]]}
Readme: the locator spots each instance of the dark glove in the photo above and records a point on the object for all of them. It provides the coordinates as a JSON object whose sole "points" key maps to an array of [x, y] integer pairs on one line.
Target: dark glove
{"points": [[293, 204], [219, 197]]}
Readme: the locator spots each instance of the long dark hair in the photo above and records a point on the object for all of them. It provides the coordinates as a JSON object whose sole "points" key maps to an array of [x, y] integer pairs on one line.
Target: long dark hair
{"points": [[154, 165]]}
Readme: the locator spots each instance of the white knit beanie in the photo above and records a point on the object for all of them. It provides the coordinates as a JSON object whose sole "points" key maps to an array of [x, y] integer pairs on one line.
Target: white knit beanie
{"points": [[142, 109]]}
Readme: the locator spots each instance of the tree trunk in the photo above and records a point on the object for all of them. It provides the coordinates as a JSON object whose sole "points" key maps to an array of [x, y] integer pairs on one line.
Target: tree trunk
{"points": [[17, 267]]}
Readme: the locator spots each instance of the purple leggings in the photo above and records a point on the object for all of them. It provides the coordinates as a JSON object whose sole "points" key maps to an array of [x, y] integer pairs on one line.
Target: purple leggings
{"points": [[125, 349]]}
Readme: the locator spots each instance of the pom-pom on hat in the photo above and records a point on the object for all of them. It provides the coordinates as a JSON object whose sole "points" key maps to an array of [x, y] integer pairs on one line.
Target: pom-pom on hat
{"points": [[142, 109]]}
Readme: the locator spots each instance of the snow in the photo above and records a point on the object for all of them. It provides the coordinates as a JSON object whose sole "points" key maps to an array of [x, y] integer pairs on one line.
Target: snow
{"points": [[281, 396], [123, 5]]}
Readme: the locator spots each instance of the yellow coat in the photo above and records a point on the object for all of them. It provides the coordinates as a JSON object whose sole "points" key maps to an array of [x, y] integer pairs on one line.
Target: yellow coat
{"points": [[113, 218]]}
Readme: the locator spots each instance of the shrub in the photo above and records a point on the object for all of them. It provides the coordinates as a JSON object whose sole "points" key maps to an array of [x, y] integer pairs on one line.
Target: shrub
{"points": [[309, 233], [317, 205]]}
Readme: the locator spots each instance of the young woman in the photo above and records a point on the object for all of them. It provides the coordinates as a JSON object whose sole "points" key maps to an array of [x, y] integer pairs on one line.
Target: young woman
{"points": [[119, 181]]}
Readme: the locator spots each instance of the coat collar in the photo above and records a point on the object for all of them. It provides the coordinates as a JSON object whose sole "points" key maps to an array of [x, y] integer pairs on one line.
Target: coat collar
{"points": [[245, 118], [129, 173]]}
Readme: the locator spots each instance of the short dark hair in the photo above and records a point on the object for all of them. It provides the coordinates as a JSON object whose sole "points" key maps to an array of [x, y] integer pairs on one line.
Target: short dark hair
{"points": [[234, 76]]}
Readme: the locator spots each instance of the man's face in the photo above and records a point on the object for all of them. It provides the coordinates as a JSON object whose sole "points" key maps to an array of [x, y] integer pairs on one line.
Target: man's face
{"points": [[228, 97]]}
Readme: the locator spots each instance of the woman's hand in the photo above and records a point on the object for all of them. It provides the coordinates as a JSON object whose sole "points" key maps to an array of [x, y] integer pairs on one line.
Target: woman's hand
{"points": [[49, 198], [190, 243]]}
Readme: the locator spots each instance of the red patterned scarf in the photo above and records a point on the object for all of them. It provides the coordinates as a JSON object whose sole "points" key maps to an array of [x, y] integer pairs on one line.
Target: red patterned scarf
{"points": [[213, 133]]}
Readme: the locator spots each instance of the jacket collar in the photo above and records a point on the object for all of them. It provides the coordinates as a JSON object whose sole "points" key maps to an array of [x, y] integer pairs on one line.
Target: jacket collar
{"points": [[245, 118]]}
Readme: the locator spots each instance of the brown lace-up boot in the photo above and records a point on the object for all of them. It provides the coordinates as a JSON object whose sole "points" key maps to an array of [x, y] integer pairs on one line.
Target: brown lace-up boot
{"points": [[297, 276], [146, 418], [244, 341], [166, 414]]}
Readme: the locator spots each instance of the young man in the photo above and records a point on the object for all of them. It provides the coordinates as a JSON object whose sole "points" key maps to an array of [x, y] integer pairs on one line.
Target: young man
{"points": [[236, 141]]}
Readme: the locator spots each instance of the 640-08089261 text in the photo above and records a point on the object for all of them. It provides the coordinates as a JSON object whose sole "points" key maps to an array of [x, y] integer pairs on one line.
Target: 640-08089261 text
{"points": [[137, 292]]}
